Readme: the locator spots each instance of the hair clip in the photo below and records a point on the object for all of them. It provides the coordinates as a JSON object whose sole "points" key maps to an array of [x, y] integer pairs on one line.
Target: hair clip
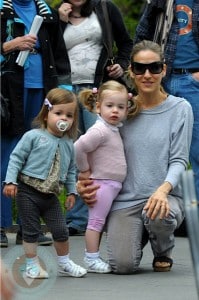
{"points": [[46, 102], [94, 90], [130, 96]]}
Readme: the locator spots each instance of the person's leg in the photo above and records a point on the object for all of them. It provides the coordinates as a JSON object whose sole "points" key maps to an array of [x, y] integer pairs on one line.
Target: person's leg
{"points": [[187, 86], [7, 146], [77, 217], [33, 101], [54, 218], [97, 217], [161, 231], [125, 227], [28, 204]]}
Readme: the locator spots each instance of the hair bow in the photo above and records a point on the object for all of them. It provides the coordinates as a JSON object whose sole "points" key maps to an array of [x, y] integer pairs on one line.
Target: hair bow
{"points": [[46, 102]]}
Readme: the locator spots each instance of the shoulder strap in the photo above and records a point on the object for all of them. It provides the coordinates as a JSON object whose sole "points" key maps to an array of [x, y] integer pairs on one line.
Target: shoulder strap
{"points": [[108, 29]]}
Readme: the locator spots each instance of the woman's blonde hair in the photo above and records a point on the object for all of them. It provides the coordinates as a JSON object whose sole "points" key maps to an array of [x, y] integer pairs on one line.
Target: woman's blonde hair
{"points": [[58, 96], [89, 97]]}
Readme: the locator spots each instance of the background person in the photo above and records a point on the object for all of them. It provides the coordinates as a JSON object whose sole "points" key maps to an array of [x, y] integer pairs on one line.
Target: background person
{"points": [[26, 86], [88, 64], [182, 77], [156, 144], [40, 166]]}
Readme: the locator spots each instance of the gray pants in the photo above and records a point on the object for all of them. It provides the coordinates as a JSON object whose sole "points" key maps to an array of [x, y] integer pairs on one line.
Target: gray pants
{"points": [[125, 228], [33, 205]]}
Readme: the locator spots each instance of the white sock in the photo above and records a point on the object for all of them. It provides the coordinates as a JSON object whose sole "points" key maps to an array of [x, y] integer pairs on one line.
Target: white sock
{"points": [[92, 255], [62, 260], [33, 263]]}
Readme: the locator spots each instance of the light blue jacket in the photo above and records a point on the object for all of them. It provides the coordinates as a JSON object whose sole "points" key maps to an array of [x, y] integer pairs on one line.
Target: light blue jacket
{"points": [[34, 155]]}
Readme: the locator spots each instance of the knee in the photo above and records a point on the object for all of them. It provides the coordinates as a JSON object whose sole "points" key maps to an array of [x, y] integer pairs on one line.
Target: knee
{"points": [[165, 226], [124, 265], [96, 224], [60, 234]]}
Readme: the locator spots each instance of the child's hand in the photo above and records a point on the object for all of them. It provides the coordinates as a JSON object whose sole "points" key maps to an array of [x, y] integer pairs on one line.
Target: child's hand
{"points": [[70, 202], [10, 190]]}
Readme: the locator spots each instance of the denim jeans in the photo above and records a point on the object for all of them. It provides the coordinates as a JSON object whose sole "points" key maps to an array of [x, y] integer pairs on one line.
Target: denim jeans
{"points": [[78, 216], [33, 100], [187, 86]]}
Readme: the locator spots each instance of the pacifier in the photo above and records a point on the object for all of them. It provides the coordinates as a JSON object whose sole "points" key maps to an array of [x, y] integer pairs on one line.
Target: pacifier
{"points": [[62, 125]]}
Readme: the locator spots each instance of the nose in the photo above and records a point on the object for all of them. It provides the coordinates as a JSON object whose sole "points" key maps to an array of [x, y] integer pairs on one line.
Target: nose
{"points": [[147, 73]]}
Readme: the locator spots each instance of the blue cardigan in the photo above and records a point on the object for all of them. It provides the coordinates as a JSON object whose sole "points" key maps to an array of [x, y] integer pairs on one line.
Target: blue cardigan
{"points": [[34, 155]]}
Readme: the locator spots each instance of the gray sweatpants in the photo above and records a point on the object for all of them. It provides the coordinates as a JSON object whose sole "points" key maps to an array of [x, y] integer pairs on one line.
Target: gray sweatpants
{"points": [[125, 228]]}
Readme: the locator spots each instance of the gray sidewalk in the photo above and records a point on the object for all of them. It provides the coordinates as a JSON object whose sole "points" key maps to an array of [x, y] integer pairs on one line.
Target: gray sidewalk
{"points": [[179, 284]]}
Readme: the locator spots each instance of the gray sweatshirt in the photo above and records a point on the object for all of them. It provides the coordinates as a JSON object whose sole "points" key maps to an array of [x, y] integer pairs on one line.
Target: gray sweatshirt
{"points": [[156, 143]]}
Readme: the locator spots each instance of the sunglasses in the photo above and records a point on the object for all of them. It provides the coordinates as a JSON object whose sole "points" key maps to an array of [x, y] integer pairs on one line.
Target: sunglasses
{"points": [[154, 67]]}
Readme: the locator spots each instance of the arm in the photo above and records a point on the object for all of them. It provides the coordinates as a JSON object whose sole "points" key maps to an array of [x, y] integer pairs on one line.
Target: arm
{"points": [[21, 43], [87, 143], [179, 158]]}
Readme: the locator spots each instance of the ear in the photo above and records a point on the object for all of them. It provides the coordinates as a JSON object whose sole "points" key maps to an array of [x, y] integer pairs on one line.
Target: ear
{"points": [[131, 74], [164, 70], [97, 107]]}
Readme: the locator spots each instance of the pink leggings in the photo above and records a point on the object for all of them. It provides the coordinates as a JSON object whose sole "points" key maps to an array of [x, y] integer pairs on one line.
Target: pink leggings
{"points": [[107, 192]]}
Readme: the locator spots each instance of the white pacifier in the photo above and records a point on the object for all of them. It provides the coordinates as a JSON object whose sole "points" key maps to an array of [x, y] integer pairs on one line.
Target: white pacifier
{"points": [[62, 125]]}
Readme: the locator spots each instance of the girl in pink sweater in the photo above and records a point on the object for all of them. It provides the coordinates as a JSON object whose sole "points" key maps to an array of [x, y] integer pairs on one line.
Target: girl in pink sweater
{"points": [[100, 156]]}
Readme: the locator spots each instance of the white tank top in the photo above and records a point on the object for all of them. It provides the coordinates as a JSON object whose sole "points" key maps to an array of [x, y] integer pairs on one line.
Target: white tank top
{"points": [[84, 44]]}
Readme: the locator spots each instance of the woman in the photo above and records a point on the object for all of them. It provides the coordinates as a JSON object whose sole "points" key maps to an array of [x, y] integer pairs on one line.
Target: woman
{"points": [[86, 40], [88, 64], [157, 145]]}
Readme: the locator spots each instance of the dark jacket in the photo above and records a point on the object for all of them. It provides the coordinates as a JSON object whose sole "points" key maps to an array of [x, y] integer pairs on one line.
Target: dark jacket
{"points": [[146, 28], [121, 38], [53, 55]]}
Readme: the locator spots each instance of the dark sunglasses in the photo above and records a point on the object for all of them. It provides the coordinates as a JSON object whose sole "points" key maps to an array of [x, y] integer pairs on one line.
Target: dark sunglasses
{"points": [[154, 67]]}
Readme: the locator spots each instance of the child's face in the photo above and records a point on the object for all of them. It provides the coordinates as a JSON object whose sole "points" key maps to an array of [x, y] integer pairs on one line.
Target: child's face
{"points": [[60, 112], [113, 107]]}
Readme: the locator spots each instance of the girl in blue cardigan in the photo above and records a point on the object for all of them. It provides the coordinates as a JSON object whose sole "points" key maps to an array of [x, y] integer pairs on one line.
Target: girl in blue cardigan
{"points": [[40, 166]]}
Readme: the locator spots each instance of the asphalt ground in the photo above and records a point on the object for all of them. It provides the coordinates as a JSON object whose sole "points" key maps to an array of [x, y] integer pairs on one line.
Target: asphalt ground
{"points": [[178, 284]]}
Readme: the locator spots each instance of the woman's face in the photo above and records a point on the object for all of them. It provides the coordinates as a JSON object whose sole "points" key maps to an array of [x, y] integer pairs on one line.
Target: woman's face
{"points": [[148, 81], [77, 3]]}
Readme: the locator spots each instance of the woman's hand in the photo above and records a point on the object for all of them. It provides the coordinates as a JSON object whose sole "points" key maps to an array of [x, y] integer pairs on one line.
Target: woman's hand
{"points": [[64, 10], [10, 190], [158, 203], [115, 71], [20, 43], [70, 202], [87, 191]]}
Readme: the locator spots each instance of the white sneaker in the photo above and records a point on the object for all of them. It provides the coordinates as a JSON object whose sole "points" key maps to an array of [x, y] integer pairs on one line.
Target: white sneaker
{"points": [[71, 269], [97, 265], [36, 272]]}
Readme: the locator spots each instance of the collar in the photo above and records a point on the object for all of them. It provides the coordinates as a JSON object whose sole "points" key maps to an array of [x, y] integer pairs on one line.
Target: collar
{"points": [[112, 127]]}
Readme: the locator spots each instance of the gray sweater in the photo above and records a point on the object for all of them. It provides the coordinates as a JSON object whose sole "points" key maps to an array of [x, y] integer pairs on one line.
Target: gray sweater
{"points": [[157, 143]]}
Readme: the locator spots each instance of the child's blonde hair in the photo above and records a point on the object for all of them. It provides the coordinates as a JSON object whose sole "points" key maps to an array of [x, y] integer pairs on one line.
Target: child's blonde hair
{"points": [[58, 96], [89, 97]]}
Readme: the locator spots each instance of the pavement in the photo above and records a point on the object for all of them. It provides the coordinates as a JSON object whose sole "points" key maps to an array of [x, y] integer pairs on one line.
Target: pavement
{"points": [[178, 284]]}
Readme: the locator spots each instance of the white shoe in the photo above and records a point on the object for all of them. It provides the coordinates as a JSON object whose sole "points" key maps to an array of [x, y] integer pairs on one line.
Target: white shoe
{"points": [[97, 265], [36, 272], [71, 269]]}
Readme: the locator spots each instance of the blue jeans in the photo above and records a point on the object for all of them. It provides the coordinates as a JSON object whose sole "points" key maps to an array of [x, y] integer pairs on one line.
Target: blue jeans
{"points": [[188, 87], [78, 216], [33, 100]]}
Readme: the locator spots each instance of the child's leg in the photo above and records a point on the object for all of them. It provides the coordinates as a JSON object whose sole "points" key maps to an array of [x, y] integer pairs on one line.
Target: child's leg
{"points": [[97, 217], [55, 221], [28, 203]]}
